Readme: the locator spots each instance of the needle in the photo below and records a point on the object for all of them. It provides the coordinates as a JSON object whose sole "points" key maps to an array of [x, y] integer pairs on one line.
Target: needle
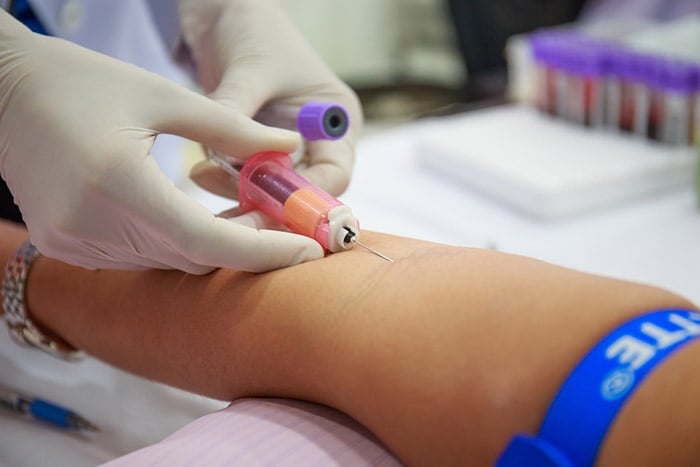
{"points": [[232, 170], [353, 238], [372, 250]]}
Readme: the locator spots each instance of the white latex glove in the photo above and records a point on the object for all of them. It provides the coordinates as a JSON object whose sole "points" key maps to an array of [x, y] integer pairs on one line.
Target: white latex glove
{"points": [[250, 57], [76, 128]]}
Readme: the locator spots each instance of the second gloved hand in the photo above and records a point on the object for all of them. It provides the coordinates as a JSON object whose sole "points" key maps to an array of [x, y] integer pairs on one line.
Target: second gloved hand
{"points": [[250, 57], [76, 128]]}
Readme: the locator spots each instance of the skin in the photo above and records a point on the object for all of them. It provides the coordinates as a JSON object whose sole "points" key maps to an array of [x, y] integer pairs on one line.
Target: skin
{"points": [[444, 354]]}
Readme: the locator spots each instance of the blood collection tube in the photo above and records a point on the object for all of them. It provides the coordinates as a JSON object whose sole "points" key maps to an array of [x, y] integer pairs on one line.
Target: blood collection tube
{"points": [[594, 72], [626, 67], [615, 76], [578, 87], [672, 103], [569, 76], [268, 183], [585, 89], [646, 110], [543, 48], [560, 59], [696, 125], [695, 117]]}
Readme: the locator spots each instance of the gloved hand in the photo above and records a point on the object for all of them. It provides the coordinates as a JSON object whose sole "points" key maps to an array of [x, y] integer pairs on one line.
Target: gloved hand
{"points": [[250, 57], [76, 128]]}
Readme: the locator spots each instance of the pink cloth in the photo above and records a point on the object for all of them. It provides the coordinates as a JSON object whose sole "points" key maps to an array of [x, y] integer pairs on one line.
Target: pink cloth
{"points": [[266, 432]]}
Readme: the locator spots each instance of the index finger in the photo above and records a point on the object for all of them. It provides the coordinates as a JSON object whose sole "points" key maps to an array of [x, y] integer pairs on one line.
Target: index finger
{"points": [[329, 164]]}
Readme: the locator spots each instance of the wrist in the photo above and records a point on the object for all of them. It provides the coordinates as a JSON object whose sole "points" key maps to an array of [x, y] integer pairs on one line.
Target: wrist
{"points": [[22, 326]]}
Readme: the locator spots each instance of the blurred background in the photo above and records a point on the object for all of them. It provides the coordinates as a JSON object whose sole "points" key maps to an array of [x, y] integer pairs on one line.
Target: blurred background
{"points": [[413, 58]]}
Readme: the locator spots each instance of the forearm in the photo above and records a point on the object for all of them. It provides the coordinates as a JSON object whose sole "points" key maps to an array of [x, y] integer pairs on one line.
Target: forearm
{"points": [[445, 352]]}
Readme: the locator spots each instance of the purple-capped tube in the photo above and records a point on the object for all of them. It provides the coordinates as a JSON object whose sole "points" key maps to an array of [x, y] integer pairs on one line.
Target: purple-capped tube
{"points": [[647, 114], [635, 71], [631, 68], [585, 87], [672, 105], [628, 94], [563, 57], [322, 120], [543, 47], [616, 59], [695, 118]]}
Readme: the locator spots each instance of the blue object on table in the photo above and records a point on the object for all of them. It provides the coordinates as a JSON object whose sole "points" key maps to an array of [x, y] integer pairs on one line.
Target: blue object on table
{"points": [[45, 411]]}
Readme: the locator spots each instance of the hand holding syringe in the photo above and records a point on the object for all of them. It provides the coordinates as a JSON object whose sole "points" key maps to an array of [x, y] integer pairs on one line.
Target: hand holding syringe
{"points": [[267, 182]]}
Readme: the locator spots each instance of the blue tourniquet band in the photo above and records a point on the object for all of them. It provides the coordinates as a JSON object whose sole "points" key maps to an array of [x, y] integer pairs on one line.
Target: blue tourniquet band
{"points": [[599, 386]]}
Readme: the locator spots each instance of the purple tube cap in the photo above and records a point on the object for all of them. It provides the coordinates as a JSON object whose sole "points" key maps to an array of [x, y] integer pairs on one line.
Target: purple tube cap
{"points": [[549, 46], [676, 75], [322, 120], [586, 58], [571, 51], [621, 62]]}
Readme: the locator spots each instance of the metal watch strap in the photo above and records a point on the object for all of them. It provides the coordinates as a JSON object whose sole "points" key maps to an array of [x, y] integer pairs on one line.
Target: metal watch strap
{"points": [[21, 328]]}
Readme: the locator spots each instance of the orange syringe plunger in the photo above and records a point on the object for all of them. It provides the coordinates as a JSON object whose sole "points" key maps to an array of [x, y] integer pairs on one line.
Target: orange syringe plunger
{"points": [[269, 183]]}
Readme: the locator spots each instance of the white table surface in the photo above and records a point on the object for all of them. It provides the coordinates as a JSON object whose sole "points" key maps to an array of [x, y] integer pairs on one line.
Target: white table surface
{"points": [[655, 240]]}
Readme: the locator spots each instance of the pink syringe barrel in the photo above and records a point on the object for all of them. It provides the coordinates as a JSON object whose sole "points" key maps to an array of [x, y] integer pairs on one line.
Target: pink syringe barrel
{"points": [[268, 183]]}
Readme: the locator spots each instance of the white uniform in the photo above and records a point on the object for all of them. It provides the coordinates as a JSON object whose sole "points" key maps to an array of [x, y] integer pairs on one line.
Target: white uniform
{"points": [[135, 31], [141, 32]]}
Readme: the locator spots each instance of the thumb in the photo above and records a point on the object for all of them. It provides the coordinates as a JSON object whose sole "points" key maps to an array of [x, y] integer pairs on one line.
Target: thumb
{"points": [[186, 113], [190, 238], [218, 242]]}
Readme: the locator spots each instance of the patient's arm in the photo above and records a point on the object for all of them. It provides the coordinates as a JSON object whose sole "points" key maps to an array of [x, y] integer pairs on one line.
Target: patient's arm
{"points": [[443, 354]]}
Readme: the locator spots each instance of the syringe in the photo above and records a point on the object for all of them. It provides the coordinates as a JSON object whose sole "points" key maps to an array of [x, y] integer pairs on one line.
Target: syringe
{"points": [[268, 183]]}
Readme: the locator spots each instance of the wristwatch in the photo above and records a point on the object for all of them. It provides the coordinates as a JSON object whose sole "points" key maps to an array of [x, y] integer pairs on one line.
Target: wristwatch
{"points": [[21, 327]]}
